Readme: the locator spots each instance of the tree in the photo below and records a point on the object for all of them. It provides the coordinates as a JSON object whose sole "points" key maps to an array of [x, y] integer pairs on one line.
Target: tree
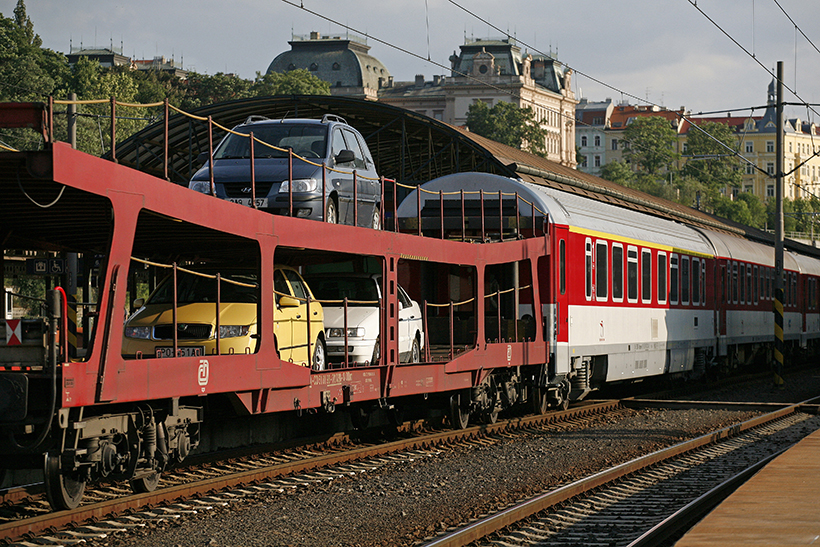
{"points": [[204, 89], [293, 82], [508, 124], [618, 172], [28, 72], [650, 144], [710, 149]]}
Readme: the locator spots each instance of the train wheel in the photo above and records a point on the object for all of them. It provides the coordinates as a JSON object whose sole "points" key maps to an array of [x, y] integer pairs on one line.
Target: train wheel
{"points": [[63, 491], [459, 416], [540, 400], [491, 416], [145, 484]]}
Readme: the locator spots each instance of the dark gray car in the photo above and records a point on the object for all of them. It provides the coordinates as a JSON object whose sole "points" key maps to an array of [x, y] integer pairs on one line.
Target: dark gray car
{"points": [[329, 141]]}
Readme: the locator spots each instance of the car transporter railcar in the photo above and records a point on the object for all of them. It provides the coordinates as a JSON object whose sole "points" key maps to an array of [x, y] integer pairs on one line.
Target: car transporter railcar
{"points": [[530, 296]]}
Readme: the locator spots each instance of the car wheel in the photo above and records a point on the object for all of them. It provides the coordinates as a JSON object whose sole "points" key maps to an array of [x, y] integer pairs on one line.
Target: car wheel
{"points": [[415, 352], [376, 221], [331, 212], [319, 356], [377, 351]]}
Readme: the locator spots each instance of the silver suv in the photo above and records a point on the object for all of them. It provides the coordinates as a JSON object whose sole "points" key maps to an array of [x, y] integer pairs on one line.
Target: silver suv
{"points": [[329, 141]]}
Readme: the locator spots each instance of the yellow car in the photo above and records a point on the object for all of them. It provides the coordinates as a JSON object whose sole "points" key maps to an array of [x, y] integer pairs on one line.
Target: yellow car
{"points": [[149, 331]]}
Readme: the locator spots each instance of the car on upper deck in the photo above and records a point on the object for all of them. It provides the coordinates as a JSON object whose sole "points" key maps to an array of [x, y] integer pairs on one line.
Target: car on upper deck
{"points": [[331, 142]]}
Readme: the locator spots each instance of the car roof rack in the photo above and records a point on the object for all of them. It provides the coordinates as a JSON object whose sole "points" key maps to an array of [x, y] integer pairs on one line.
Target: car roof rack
{"points": [[333, 118], [256, 118]]}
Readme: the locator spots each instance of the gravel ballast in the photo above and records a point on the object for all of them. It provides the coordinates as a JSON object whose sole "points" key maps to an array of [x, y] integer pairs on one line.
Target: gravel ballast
{"points": [[398, 503]]}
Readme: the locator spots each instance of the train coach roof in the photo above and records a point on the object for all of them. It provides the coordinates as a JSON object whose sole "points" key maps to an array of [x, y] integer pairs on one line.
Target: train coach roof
{"points": [[564, 208], [736, 248]]}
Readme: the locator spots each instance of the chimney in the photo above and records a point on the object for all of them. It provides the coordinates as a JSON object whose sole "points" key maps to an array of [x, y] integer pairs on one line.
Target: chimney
{"points": [[390, 81], [419, 80], [315, 35], [436, 79]]}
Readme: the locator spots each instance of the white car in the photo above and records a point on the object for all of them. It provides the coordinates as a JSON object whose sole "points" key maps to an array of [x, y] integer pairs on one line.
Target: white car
{"points": [[363, 292]]}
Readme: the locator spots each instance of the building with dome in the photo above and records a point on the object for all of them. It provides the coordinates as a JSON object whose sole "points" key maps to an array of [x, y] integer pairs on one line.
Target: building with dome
{"points": [[342, 61]]}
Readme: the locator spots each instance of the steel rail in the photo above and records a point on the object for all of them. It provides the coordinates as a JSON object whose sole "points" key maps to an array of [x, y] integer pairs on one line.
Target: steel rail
{"points": [[502, 519], [30, 527]]}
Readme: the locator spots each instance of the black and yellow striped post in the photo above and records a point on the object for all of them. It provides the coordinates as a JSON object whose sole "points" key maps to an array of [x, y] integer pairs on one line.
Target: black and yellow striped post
{"points": [[779, 346]]}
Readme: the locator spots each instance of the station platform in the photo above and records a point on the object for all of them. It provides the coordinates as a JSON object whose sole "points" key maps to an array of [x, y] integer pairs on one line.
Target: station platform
{"points": [[780, 505]]}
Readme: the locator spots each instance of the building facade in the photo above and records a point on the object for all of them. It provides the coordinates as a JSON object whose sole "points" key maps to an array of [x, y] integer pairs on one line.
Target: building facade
{"points": [[493, 71], [591, 121], [490, 71], [342, 61], [756, 142]]}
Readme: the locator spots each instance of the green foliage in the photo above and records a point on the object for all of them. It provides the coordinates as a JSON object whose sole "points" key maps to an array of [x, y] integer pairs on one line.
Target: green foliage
{"points": [[28, 72], [713, 163], [618, 172], [293, 82], [651, 142], [508, 124], [31, 288], [204, 89]]}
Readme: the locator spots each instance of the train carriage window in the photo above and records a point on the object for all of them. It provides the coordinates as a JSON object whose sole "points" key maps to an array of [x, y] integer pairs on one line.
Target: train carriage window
{"points": [[632, 274], [601, 270], [684, 280], [754, 285], [646, 276], [588, 264], [703, 282], [661, 278], [562, 259], [617, 272], [695, 281], [673, 279], [749, 284], [793, 286], [770, 283], [761, 280], [734, 282], [742, 280]]}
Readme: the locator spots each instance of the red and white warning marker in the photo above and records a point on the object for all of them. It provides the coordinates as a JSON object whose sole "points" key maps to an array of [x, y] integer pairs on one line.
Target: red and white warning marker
{"points": [[14, 332]]}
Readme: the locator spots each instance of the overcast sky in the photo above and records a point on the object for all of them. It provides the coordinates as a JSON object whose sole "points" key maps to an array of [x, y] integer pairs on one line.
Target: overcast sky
{"points": [[663, 51]]}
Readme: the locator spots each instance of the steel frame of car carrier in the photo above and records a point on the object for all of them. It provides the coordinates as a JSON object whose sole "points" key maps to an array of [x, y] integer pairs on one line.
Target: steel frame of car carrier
{"points": [[59, 200]]}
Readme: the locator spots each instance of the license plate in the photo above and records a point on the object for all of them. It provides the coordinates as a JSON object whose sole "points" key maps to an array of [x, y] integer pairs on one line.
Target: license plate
{"points": [[260, 202], [182, 351]]}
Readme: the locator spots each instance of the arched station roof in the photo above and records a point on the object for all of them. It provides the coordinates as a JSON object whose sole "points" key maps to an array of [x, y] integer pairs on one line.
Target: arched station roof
{"points": [[408, 147]]}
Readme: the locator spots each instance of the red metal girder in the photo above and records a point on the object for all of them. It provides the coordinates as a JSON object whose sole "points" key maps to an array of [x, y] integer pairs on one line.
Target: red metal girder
{"points": [[31, 115]]}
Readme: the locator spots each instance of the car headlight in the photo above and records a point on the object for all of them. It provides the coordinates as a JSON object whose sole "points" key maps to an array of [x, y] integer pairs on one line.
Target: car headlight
{"points": [[352, 332], [201, 186], [233, 331], [300, 185], [138, 332]]}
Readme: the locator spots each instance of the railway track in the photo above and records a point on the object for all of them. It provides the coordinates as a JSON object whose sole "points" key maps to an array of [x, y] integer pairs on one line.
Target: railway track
{"points": [[114, 508], [647, 500]]}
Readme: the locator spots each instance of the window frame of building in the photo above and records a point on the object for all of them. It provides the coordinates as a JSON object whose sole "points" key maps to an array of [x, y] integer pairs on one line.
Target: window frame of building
{"points": [[750, 147]]}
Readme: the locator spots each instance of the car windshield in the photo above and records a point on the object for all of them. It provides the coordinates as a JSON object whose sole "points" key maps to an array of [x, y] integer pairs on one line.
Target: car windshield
{"points": [[306, 140], [360, 291], [194, 288]]}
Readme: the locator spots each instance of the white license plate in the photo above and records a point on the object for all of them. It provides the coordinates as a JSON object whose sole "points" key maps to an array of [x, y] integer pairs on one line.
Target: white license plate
{"points": [[260, 202], [182, 351]]}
